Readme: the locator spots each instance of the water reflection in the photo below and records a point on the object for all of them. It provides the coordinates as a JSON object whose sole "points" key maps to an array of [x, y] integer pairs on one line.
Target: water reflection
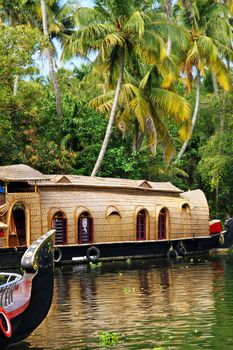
{"points": [[184, 305]]}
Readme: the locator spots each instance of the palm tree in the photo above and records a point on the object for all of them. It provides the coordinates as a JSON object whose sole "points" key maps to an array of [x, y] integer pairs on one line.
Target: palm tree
{"points": [[110, 29], [152, 107], [10, 13], [204, 52], [50, 59], [54, 20], [51, 17], [116, 29]]}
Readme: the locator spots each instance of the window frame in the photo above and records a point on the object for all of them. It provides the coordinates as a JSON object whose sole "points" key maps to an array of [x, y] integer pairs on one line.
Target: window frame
{"points": [[141, 225], [59, 215], [90, 228]]}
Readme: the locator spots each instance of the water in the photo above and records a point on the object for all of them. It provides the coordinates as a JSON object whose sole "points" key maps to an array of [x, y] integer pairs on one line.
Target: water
{"points": [[186, 304]]}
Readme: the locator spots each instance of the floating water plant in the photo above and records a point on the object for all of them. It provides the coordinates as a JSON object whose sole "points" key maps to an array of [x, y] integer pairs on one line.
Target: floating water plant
{"points": [[95, 265], [108, 338], [129, 290]]}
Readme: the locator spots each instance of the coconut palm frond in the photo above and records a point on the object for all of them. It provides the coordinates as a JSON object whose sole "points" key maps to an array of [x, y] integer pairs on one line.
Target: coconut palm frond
{"points": [[164, 137], [130, 78], [140, 108], [222, 74], [136, 24], [85, 16], [146, 78], [224, 49], [105, 108], [128, 93], [230, 6], [153, 47], [169, 71], [193, 55], [215, 10], [103, 102], [65, 10], [179, 35], [55, 27], [207, 47], [172, 104], [93, 32], [110, 41], [168, 80], [121, 7], [126, 118], [184, 130], [169, 152]]}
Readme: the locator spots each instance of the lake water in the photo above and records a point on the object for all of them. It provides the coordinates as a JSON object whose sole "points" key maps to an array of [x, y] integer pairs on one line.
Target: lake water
{"points": [[184, 304]]}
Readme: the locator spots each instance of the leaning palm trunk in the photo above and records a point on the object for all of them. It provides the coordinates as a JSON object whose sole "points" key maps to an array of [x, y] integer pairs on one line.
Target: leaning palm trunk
{"points": [[194, 119], [112, 116], [16, 81], [169, 17], [50, 60], [215, 84]]}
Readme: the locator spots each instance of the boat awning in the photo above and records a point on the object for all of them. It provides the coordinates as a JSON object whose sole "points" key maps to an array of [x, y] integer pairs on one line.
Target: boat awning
{"points": [[3, 208], [2, 225]]}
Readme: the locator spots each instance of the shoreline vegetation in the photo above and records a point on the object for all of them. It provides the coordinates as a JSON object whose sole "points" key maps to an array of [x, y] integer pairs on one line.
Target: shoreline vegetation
{"points": [[155, 102]]}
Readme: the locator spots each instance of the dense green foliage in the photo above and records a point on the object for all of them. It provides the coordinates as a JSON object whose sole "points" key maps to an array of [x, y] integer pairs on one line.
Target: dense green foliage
{"points": [[147, 119]]}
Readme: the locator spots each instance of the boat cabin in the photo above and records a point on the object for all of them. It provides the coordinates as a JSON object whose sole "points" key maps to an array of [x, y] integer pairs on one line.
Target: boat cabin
{"points": [[86, 209]]}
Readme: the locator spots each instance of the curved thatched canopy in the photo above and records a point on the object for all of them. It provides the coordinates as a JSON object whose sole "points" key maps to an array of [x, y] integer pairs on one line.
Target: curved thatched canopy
{"points": [[3, 226]]}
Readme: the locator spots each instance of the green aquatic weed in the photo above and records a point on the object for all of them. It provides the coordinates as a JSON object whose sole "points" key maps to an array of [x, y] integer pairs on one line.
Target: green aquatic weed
{"points": [[95, 265], [129, 290], [108, 338]]}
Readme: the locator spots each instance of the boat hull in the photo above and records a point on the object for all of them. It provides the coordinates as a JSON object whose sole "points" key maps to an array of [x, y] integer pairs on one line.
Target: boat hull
{"points": [[70, 254], [26, 302], [146, 249], [139, 249]]}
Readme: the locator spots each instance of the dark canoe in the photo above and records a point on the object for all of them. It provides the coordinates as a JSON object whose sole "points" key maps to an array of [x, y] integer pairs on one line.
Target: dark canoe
{"points": [[26, 299], [67, 254]]}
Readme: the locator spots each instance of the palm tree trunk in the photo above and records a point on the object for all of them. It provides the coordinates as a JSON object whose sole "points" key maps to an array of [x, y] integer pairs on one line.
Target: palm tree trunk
{"points": [[112, 116], [16, 81], [214, 81], [50, 59], [136, 137], [194, 118], [169, 17]]}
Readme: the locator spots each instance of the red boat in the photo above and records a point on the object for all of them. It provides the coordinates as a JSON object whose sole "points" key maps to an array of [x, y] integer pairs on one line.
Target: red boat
{"points": [[24, 300]]}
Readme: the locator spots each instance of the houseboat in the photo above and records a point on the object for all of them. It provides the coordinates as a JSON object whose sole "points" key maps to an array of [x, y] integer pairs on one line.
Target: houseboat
{"points": [[103, 218]]}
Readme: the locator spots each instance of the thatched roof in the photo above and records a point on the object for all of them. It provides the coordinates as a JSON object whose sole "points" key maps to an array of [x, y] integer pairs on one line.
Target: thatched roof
{"points": [[22, 172], [2, 225], [100, 182], [19, 172]]}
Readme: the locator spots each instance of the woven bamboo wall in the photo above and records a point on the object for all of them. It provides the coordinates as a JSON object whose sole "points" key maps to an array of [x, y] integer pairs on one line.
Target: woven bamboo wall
{"points": [[188, 212], [193, 221], [199, 218]]}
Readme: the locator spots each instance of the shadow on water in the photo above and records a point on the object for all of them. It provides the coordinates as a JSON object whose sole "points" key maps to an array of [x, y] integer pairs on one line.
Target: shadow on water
{"points": [[184, 304], [24, 346]]}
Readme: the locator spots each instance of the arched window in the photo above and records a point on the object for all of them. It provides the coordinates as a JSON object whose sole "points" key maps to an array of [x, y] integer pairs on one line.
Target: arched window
{"points": [[85, 228], [18, 225], [185, 209], [115, 230], [162, 226], [59, 223], [141, 225]]}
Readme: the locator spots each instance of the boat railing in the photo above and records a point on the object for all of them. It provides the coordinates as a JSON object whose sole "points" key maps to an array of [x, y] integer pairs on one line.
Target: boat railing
{"points": [[7, 288]]}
